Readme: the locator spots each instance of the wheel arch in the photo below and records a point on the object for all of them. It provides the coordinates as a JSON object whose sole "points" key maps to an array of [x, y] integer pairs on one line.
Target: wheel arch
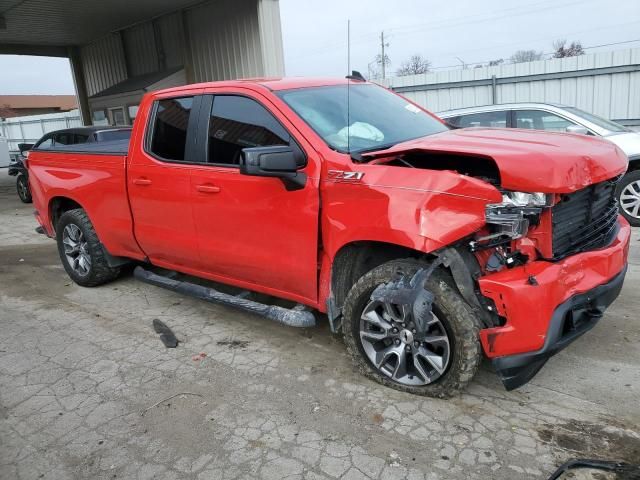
{"points": [[59, 205], [634, 163], [356, 258]]}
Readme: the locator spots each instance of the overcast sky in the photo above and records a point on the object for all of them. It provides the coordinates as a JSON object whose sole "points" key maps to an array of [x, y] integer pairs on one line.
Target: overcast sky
{"points": [[315, 35]]}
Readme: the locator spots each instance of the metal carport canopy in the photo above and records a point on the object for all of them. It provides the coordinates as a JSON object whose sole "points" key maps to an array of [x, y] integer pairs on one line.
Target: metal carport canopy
{"points": [[48, 27]]}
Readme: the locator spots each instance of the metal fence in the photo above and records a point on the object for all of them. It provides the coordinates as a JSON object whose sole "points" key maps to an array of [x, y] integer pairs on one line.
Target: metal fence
{"points": [[29, 129], [605, 83]]}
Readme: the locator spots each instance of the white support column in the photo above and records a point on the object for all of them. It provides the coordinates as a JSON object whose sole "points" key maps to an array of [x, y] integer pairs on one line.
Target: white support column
{"points": [[271, 38]]}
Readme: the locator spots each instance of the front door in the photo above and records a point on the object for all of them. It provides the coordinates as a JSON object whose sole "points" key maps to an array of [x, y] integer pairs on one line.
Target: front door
{"points": [[251, 230], [159, 183]]}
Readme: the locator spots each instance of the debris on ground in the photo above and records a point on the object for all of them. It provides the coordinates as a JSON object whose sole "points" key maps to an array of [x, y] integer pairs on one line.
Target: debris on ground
{"points": [[199, 356], [167, 337]]}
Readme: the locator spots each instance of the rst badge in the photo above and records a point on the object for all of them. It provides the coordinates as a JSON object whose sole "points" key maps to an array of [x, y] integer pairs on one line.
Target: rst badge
{"points": [[342, 176]]}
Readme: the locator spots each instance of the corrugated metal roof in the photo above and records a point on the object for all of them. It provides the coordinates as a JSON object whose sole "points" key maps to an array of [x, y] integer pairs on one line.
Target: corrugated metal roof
{"points": [[75, 22]]}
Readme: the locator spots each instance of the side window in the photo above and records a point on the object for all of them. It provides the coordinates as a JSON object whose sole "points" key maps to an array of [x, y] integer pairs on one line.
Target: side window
{"points": [[539, 120], [169, 134], [484, 119], [455, 121], [64, 139], [45, 144], [81, 138], [239, 122]]}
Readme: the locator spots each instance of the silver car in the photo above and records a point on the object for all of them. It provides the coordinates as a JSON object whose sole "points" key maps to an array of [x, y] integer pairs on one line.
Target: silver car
{"points": [[560, 118]]}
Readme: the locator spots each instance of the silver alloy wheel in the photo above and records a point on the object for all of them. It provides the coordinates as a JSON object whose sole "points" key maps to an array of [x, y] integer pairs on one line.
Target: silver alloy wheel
{"points": [[394, 347], [76, 249], [630, 199], [23, 189]]}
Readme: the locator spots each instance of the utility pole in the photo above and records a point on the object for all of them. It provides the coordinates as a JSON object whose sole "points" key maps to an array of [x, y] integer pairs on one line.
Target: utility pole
{"points": [[382, 58]]}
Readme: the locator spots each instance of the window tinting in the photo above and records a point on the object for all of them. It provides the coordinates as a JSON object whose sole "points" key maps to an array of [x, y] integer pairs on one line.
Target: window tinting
{"points": [[108, 135], [64, 139], [81, 138], [237, 123], [539, 120], [45, 144], [169, 136], [484, 119]]}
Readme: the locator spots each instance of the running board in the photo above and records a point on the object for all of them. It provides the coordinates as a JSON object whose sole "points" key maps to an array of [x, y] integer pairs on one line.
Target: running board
{"points": [[297, 316]]}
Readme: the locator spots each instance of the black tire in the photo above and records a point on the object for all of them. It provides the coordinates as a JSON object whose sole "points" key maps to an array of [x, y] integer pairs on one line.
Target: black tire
{"points": [[22, 187], [99, 272], [456, 316], [630, 182]]}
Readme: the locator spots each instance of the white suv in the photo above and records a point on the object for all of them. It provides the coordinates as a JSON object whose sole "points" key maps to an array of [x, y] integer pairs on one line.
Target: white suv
{"points": [[560, 118]]}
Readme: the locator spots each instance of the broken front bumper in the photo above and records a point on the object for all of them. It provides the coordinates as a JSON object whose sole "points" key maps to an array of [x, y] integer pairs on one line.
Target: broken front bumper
{"points": [[548, 305]]}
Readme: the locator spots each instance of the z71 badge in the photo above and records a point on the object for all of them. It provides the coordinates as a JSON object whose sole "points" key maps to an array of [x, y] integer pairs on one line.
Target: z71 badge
{"points": [[341, 176]]}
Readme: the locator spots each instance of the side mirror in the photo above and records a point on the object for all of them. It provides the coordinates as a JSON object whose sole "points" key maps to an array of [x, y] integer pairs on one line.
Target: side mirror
{"points": [[280, 161], [577, 129]]}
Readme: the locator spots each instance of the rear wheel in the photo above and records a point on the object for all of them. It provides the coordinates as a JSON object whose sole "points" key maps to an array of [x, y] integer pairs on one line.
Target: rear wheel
{"points": [[22, 187], [385, 345], [628, 193], [81, 252]]}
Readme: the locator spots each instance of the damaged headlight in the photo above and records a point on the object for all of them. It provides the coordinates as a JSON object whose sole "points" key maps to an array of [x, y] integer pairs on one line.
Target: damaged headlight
{"points": [[523, 199], [511, 218]]}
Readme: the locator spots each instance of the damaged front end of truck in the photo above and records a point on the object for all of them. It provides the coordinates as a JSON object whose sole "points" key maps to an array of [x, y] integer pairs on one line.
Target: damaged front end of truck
{"points": [[551, 254]]}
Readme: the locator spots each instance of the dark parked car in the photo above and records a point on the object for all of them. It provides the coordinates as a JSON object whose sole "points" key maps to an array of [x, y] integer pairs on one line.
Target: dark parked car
{"points": [[69, 136]]}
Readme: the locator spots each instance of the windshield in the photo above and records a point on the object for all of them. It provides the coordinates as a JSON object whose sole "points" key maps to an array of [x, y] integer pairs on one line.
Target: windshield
{"points": [[376, 118], [599, 121]]}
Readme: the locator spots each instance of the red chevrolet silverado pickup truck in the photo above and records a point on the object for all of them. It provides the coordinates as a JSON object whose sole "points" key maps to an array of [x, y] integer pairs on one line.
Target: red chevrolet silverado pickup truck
{"points": [[426, 247]]}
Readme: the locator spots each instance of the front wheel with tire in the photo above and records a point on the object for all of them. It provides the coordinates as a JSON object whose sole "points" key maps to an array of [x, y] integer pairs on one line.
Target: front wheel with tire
{"points": [[386, 346], [628, 194], [22, 187], [82, 254]]}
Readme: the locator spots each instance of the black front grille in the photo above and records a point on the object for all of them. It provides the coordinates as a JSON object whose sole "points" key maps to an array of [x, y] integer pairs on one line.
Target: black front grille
{"points": [[585, 220]]}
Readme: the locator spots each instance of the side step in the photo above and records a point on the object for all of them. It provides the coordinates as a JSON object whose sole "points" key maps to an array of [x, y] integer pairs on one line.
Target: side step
{"points": [[293, 317]]}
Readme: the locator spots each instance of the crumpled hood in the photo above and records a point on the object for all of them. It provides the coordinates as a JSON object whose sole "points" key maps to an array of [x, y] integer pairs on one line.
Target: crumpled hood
{"points": [[528, 160]]}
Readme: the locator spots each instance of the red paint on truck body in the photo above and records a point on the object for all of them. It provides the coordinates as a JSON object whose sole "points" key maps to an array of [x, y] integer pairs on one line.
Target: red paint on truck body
{"points": [[249, 231]]}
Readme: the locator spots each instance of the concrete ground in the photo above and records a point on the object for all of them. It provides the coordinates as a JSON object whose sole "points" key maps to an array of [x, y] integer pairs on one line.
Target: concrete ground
{"points": [[88, 391]]}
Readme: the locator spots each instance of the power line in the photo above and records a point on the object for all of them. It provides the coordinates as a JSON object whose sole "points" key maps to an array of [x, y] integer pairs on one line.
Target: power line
{"points": [[547, 53], [450, 22]]}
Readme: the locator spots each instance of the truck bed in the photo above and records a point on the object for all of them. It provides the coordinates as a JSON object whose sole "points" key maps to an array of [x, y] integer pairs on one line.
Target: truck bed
{"points": [[110, 147], [93, 176]]}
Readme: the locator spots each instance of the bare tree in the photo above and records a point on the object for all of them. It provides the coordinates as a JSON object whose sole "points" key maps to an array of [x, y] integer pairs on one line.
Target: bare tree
{"points": [[387, 60], [415, 65], [495, 63], [526, 56], [561, 50]]}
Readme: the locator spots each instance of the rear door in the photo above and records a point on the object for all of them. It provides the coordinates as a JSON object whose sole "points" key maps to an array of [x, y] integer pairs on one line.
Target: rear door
{"points": [[251, 231], [159, 182]]}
